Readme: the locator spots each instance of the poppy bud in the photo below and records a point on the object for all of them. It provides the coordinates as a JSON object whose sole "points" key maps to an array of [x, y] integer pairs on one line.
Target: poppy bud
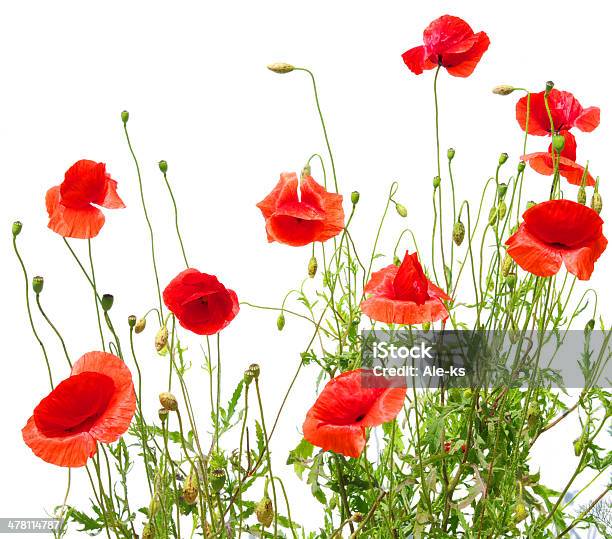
{"points": [[355, 197], [125, 116], [248, 376], [37, 284], [161, 339], [521, 166], [450, 153], [520, 512], [189, 492], [426, 326], [162, 413], [131, 320], [17, 226], [280, 322], [163, 166], [254, 370], [281, 68], [107, 302], [511, 280], [582, 198], [597, 202], [264, 511], [558, 143], [507, 265], [217, 479], [503, 158], [503, 89], [357, 516], [530, 204], [492, 216], [396, 260], [458, 233], [436, 182], [141, 324], [501, 210], [590, 326], [312, 267], [533, 416], [306, 171], [401, 210], [502, 188], [549, 86], [168, 401]]}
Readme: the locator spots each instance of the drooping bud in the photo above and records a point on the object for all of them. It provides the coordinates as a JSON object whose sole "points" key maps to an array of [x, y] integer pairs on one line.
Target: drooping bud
{"points": [[168, 401], [506, 265], [189, 492], [265, 511], [125, 116], [502, 209], [163, 166], [401, 210], [217, 479], [590, 326], [161, 339], [458, 233], [306, 171], [597, 202], [582, 197], [17, 226], [312, 267], [530, 204], [503, 89], [436, 182], [503, 158], [162, 413], [521, 166], [549, 86], [107, 302], [558, 143], [450, 153], [254, 370], [520, 512], [280, 321], [355, 197], [502, 189], [281, 68], [492, 216], [140, 326], [37, 284]]}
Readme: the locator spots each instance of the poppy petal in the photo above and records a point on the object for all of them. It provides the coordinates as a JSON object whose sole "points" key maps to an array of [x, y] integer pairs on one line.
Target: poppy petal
{"points": [[415, 60], [83, 223], [581, 262], [463, 65], [111, 199], [84, 182], [588, 120], [390, 311], [347, 440], [386, 407], [533, 255]]}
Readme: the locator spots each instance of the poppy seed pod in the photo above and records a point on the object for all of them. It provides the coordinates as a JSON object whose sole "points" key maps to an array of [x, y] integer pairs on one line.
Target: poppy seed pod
{"points": [[280, 322], [530, 204], [168, 401], [549, 86], [125, 116], [131, 320], [503, 158], [107, 302], [281, 68], [511, 280], [140, 326], [254, 370], [162, 413], [521, 166], [248, 376], [502, 188], [401, 210], [458, 233], [597, 202], [163, 166], [217, 479], [558, 143], [189, 492], [450, 153], [264, 511], [17, 226], [436, 182], [312, 267], [161, 339], [355, 197], [37, 284], [503, 89], [582, 197]]}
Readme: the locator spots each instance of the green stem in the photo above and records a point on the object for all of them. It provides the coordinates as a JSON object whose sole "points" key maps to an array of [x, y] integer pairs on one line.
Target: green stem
{"points": [[96, 296], [176, 218]]}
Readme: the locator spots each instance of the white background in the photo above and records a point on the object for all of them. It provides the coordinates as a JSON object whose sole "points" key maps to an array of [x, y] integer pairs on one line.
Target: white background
{"points": [[192, 75]]}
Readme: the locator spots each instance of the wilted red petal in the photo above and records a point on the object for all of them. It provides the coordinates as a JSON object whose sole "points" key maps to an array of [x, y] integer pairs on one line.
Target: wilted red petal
{"points": [[542, 163]]}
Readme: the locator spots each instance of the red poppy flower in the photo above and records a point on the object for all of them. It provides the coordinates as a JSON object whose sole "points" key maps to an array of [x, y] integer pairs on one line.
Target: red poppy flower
{"points": [[338, 419], [71, 205], [449, 42], [555, 232], [542, 162], [200, 302], [404, 295], [565, 110], [314, 216], [95, 404]]}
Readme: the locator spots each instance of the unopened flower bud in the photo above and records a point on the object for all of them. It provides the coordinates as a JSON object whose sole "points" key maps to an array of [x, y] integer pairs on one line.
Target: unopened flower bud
{"points": [[530, 204], [458, 233], [511, 280], [280, 322], [305, 171], [312, 267], [401, 210], [281, 67], [503, 158], [503, 89], [507, 265], [189, 492], [450, 153], [436, 182], [17, 226], [161, 339], [597, 202], [265, 511], [125, 116], [163, 166], [37, 284], [502, 188], [582, 197], [254, 370], [217, 479], [502, 209], [426, 326], [521, 166], [520, 512], [549, 86], [558, 143], [590, 326], [168, 401], [248, 376], [107, 302], [140, 326], [162, 413], [492, 216], [355, 197]]}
